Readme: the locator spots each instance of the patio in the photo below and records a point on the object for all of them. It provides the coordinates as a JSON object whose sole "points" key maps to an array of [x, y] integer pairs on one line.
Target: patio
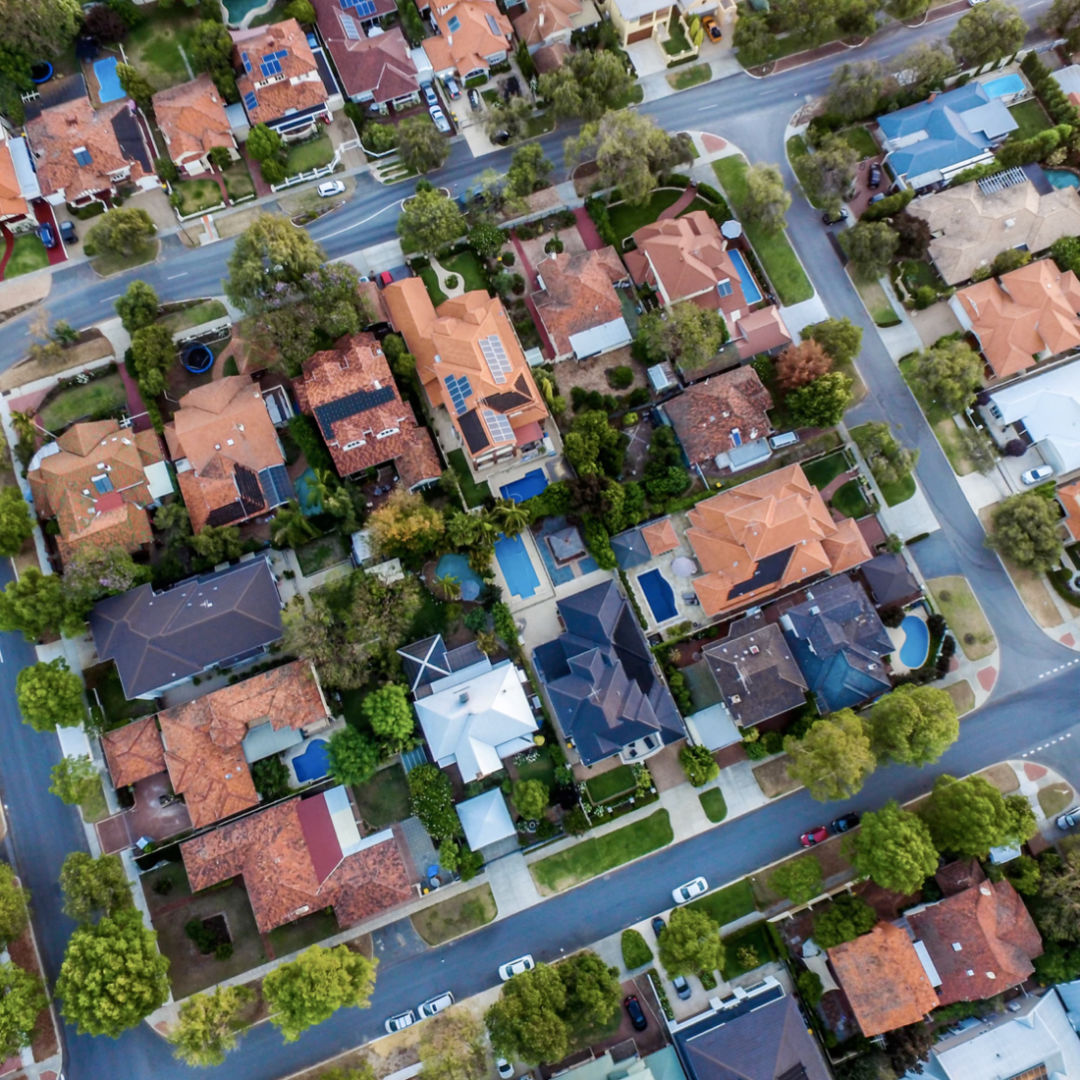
{"points": [[147, 818]]}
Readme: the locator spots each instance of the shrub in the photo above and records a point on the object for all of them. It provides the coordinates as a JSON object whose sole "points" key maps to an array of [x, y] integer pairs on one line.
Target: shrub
{"points": [[635, 951], [452, 281], [809, 986], [620, 377], [507, 258], [698, 764]]}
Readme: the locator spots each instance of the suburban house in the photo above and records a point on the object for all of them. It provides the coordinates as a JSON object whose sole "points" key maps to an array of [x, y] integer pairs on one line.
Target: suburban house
{"points": [[487, 824], [303, 856], [754, 540], [578, 304], [839, 643], [18, 183], [973, 223], [1044, 411], [547, 22], [889, 581], [1068, 78], [1023, 316], [161, 639], [366, 14], [470, 363], [927, 144], [1069, 497], [99, 480], [82, 154], [643, 543], [723, 421], [636, 20], [550, 58], [351, 393], [279, 80], [426, 662], [602, 680], [192, 121], [229, 463], [755, 672], [471, 36], [476, 717]]}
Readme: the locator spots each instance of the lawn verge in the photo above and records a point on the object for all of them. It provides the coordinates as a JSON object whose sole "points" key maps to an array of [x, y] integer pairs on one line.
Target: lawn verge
{"points": [[456, 916]]}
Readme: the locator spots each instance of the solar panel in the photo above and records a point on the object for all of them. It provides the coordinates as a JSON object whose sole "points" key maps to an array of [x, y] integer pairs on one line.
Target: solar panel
{"points": [[499, 426], [270, 65], [276, 485], [360, 401], [250, 101], [246, 62], [495, 355], [364, 8], [348, 24], [459, 388]]}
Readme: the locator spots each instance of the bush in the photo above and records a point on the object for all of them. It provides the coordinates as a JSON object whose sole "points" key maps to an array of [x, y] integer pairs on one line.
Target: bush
{"points": [[698, 764], [635, 951], [507, 258], [452, 281], [773, 742], [809, 986], [620, 377]]}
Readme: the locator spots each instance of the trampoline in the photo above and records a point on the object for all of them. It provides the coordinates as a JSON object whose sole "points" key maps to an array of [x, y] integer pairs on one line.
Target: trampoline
{"points": [[197, 358], [41, 72]]}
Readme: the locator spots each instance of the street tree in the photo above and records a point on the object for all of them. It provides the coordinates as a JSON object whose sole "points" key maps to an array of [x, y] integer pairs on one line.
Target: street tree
{"points": [[211, 51], [429, 221], [74, 779], [587, 85], [135, 84], [153, 353], [913, 725], [41, 28], [527, 1022], [406, 525], [855, 89], [269, 253], [689, 335], [311, 988], [893, 848], [840, 338], [987, 32], [14, 912], [1025, 529], [889, 461], [690, 943], [845, 919], [22, 999], [529, 168], [834, 758], [828, 171], [977, 448], [767, 200], [510, 117], [112, 976], [950, 374], [925, 65], [1063, 20], [908, 11], [35, 604], [50, 695], [353, 757], [968, 817], [420, 144], [592, 990], [530, 798], [798, 879], [870, 247], [16, 524], [94, 887], [208, 1026], [800, 364], [453, 1047], [821, 403], [390, 715], [138, 307], [121, 231]]}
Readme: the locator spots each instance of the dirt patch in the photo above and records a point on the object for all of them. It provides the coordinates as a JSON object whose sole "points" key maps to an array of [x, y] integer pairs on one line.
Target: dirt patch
{"points": [[962, 695], [1054, 798], [934, 322], [456, 916], [590, 374], [773, 779], [43, 1041], [92, 345], [1002, 777], [234, 224]]}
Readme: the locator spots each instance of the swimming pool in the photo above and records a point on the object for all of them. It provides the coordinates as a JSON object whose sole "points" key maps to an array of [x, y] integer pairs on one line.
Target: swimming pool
{"points": [[659, 594], [457, 567], [1062, 178], [109, 88], [746, 279], [313, 763], [1004, 86], [916, 642], [516, 566], [532, 483]]}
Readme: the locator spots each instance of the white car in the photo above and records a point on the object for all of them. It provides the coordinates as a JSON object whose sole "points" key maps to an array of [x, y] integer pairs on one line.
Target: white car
{"points": [[504, 1068], [439, 119], [400, 1022], [687, 892], [516, 967], [1034, 476], [435, 1005], [329, 188]]}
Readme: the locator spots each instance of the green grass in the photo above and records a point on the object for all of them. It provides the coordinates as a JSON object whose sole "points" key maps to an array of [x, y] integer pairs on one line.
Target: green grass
{"points": [[103, 685], [626, 218], [542, 769], [822, 472], [691, 76], [452, 918], [772, 247], [475, 494], [96, 400], [876, 301], [798, 152], [754, 937], [312, 154], [294, 936], [467, 265], [238, 182], [197, 195], [611, 784], [777, 47], [27, 254], [728, 904], [430, 619], [850, 500], [384, 799], [677, 41], [1032, 119], [153, 46], [918, 272], [602, 853], [894, 492], [954, 599], [635, 950], [274, 15], [540, 124], [712, 802], [94, 808], [202, 312], [108, 264], [320, 553], [431, 283], [861, 141]]}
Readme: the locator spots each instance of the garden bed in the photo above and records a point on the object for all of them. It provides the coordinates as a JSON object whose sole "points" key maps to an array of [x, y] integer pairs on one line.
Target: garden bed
{"points": [[238, 182], [455, 916]]}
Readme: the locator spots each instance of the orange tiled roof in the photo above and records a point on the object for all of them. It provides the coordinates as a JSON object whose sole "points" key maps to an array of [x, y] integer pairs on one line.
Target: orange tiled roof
{"points": [[545, 18], [351, 393], [203, 738], [762, 536], [134, 752], [660, 536], [1069, 497], [298, 87], [192, 119], [1024, 313], [883, 979], [579, 294], [469, 32], [12, 203], [760, 331]]}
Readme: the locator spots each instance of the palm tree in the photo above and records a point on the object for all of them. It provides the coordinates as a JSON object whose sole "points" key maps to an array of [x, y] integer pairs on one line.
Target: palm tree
{"points": [[488, 528], [486, 642], [320, 486], [290, 528], [451, 587], [511, 515]]}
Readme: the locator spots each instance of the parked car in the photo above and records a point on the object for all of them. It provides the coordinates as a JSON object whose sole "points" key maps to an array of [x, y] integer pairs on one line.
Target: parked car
{"points": [[658, 925], [785, 438], [814, 836], [429, 94], [386, 278], [452, 87], [875, 175], [504, 1068], [474, 99], [435, 1005], [844, 823], [1070, 819], [516, 967], [879, 197], [439, 119], [68, 233], [400, 1022], [45, 232], [688, 891], [501, 137], [511, 88], [635, 1012], [712, 28], [1040, 472], [328, 188], [832, 219], [682, 987]]}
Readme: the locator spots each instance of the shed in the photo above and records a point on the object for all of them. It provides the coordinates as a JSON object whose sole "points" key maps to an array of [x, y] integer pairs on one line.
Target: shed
{"points": [[487, 824]]}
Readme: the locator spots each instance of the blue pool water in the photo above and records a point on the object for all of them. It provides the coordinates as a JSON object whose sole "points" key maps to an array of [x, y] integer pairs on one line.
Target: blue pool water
{"points": [[532, 483], [916, 642], [516, 566], [457, 567], [109, 88], [746, 279], [307, 496], [1004, 86], [659, 594], [313, 763], [1062, 178]]}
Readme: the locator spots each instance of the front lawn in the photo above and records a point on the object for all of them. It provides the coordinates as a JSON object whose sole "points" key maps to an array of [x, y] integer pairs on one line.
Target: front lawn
{"points": [[456, 916], [611, 784], [467, 265], [955, 600], [747, 949], [238, 182], [896, 491], [602, 853], [850, 500], [729, 903], [431, 282], [103, 687], [27, 254], [476, 494], [384, 799], [626, 218], [712, 802], [95, 400], [861, 141], [822, 472], [195, 315], [1032, 119], [197, 196], [312, 154]]}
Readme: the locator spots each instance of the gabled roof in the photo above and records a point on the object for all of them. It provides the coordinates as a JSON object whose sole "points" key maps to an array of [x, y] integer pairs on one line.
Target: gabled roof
{"points": [[889, 580], [543, 19], [192, 118], [134, 752], [12, 202], [761, 331], [277, 68], [469, 32], [1069, 497], [159, 638]]}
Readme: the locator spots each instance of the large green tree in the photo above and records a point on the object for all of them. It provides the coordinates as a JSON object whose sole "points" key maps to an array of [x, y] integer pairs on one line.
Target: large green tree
{"points": [[42, 27], [429, 221], [35, 604], [16, 524], [269, 253], [153, 353], [421, 146], [122, 231], [529, 170], [390, 715], [14, 913], [587, 84], [431, 797], [870, 245], [74, 779], [406, 525], [950, 374], [93, 887], [893, 848], [927, 65], [453, 1047], [840, 338], [845, 919], [135, 84], [798, 879], [1026, 529], [211, 49], [889, 460], [834, 758], [987, 32], [593, 446], [50, 695], [22, 998], [821, 403], [914, 725], [690, 944], [592, 990], [353, 757], [827, 172], [138, 307], [855, 89], [767, 199], [209, 1024], [968, 817], [527, 1022], [530, 798], [687, 334]]}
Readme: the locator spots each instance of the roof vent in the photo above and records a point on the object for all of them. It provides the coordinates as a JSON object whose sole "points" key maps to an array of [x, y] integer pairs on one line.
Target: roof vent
{"points": [[1010, 223], [754, 650], [985, 889], [217, 446], [957, 946], [969, 972], [991, 975], [736, 699], [815, 610], [438, 359], [463, 697]]}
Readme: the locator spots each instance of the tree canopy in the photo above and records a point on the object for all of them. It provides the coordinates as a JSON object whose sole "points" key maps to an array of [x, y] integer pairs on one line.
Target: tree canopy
{"points": [[893, 848], [855, 89], [587, 84], [1025, 528], [353, 758], [986, 32], [827, 172], [50, 695], [429, 221], [16, 524], [690, 943], [968, 817], [914, 725], [834, 758], [14, 913], [94, 886], [208, 1025], [431, 796], [406, 525], [800, 364], [767, 199], [840, 338], [687, 335], [870, 245], [121, 231], [270, 254], [821, 403], [74, 779], [798, 879], [593, 446], [453, 1047], [950, 374], [138, 307], [390, 715], [22, 997], [845, 919], [44, 27], [36, 604], [421, 146], [889, 460]]}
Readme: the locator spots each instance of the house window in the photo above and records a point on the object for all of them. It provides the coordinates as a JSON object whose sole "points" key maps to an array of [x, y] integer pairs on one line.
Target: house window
{"points": [[387, 432], [724, 288], [354, 444], [453, 24]]}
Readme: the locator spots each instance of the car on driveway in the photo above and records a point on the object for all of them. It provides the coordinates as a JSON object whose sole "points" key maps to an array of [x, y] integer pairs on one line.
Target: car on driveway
{"points": [[68, 233], [658, 925], [682, 987], [874, 178], [474, 99], [46, 234], [386, 278], [832, 218], [435, 1005], [504, 1068], [452, 87], [438, 118], [400, 1022], [844, 823], [814, 836], [712, 28], [329, 188], [635, 1012], [516, 967], [1032, 476], [687, 892], [1070, 819], [430, 97]]}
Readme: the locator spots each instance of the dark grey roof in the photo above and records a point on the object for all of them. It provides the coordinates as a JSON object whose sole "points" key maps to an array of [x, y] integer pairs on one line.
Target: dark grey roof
{"points": [[360, 401], [475, 435], [630, 549], [157, 639], [428, 660], [767, 571], [889, 579], [125, 126]]}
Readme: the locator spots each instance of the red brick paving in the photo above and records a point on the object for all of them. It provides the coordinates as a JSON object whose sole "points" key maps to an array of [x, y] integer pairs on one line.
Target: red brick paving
{"points": [[987, 676], [680, 204], [1034, 772], [9, 247], [1067, 639], [587, 230], [712, 144]]}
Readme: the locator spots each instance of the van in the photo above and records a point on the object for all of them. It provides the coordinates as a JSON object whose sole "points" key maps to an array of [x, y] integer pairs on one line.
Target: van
{"points": [[787, 438]]}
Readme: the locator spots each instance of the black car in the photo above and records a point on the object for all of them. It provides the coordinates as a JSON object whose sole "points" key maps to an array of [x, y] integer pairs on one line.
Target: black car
{"points": [[635, 1012], [832, 218], [875, 174], [512, 87], [844, 823], [658, 925], [67, 232], [474, 99]]}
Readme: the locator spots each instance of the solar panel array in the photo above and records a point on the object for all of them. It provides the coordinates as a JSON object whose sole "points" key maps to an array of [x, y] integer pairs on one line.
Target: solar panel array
{"points": [[360, 401], [499, 426], [246, 62], [460, 388], [271, 63], [363, 8], [496, 357], [348, 24], [250, 101]]}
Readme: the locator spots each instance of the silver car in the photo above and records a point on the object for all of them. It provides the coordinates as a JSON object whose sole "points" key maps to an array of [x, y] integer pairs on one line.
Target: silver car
{"points": [[400, 1022], [1069, 820], [438, 117], [430, 96]]}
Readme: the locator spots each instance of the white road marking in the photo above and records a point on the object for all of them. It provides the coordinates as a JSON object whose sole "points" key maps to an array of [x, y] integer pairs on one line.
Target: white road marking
{"points": [[364, 221], [114, 296], [171, 277]]}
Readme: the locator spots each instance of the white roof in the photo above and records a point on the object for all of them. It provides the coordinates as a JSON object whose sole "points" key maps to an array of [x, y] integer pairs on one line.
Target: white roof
{"points": [[361, 546], [29, 187], [1068, 78], [661, 376], [158, 479], [601, 339], [478, 721], [634, 9], [485, 819], [1049, 406]]}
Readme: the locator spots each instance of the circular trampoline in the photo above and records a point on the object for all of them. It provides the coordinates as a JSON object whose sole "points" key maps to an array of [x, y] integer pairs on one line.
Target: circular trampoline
{"points": [[197, 358], [41, 72]]}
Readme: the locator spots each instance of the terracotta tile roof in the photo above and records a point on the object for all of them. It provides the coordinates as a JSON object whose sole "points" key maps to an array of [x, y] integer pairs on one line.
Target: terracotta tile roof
{"points": [[550, 57], [544, 18], [379, 65], [1022, 314], [579, 294], [958, 876], [755, 539], [760, 331], [469, 32], [299, 86], [996, 937], [59, 132], [1069, 497], [134, 752], [449, 348], [12, 203], [707, 414], [352, 395], [111, 512], [203, 739], [883, 979], [192, 119], [660, 536]]}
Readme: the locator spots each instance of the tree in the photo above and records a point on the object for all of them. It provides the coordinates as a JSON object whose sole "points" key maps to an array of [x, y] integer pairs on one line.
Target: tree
{"points": [[908, 11], [211, 51], [845, 919], [526, 1023], [16, 524], [153, 353], [300, 10], [690, 943], [1008, 260], [907, 1047], [950, 374], [138, 307], [798, 879], [269, 253], [315, 985], [136, 86], [1057, 907], [104, 24], [208, 1025], [828, 171], [926, 64], [1025, 529], [406, 525], [390, 715], [431, 797], [1063, 20], [511, 516], [968, 817], [35, 604], [453, 1047], [218, 543], [486, 239], [855, 89], [14, 913], [913, 725], [420, 145], [429, 221], [74, 779], [821, 403], [50, 695], [888, 460], [698, 764], [810, 988], [530, 798], [264, 143], [893, 848], [689, 335], [122, 231], [353, 757], [112, 976], [529, 168], [587, 85], [767, 200], [840, 338], [630, 150], [45, 27], [834, 758], [291, 527], [800, 364], [94, 886], [986, 32], [593, 446], [1066, 251], [173, 523], [870, 246], [592, 990], [509, 117], [22, 999]]}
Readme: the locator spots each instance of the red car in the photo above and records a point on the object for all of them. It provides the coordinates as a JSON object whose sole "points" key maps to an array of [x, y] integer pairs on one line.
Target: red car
{"points": [[385, 278], [814, 836]]}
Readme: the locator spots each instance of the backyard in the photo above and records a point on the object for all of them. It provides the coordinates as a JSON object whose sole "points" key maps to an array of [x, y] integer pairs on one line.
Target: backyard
{"points": [[1032, 119], [461, 913], [308, 155], [195, 196], [94, 400], [476, 494], [27, 254], [103, 686], [158, 46], [822, 472], [384, 799]]}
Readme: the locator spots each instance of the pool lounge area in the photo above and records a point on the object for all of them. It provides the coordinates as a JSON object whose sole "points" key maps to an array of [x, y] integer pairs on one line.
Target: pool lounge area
{"points": [[516, 566]]}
